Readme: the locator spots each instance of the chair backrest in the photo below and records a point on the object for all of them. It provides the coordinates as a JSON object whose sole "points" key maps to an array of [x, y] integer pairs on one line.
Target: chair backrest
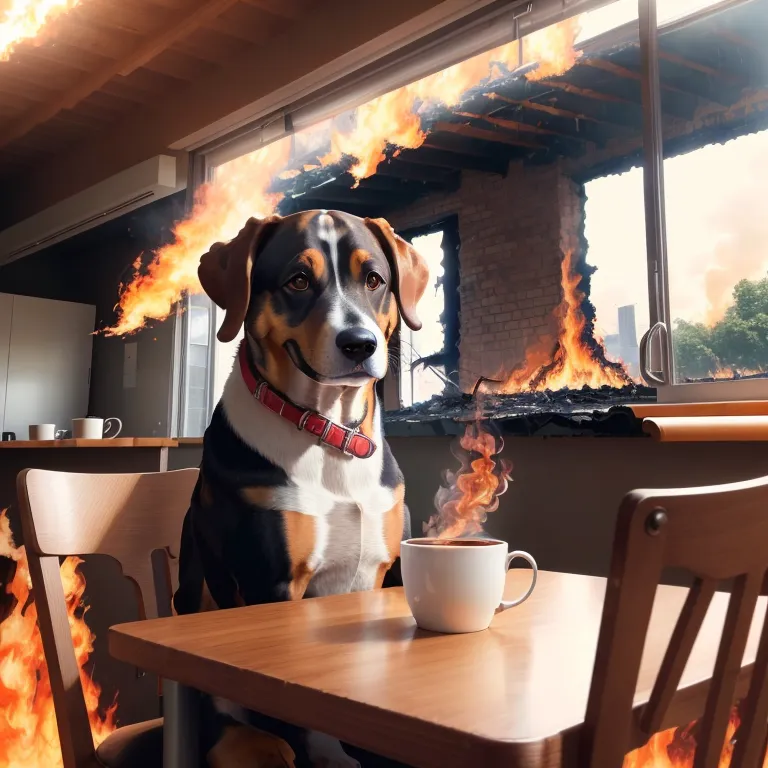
{"points": [[128, 517], [716, 533]]}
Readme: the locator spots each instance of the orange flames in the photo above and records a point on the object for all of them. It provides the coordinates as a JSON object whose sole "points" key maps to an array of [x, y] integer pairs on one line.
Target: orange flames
{"points": [[28, 735], [573, 363], [240, 188], [218, 215], [468, 495], [22, 20], [675, 748]]}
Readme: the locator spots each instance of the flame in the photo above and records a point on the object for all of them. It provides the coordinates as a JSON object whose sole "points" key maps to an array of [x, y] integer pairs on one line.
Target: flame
{"points": [[675, 748], [240, 189], [24, 20], [573, 363], [553, 49], [468, 495], [220, 208], [28, 735]]}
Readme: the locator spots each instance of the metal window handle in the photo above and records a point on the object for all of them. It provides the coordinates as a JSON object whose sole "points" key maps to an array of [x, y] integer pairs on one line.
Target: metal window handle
{"points": [[655, 377]]}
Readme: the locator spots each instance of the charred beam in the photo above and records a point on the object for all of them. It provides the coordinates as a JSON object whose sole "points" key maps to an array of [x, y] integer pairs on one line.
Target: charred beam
{"points": [[335, 193], [696, 66], [628, 74], [498, 137], [514, 125], [421, 173], [740, 41], [443, 158], [547, 109], [587, 93]]}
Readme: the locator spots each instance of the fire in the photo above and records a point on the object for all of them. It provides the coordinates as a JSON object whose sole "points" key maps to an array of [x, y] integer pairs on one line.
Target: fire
{"points": [[575, 362], [240, 191], [241, 188], [28, 735], [553, 49], [675, 748], [468, 495], [22, 20]]}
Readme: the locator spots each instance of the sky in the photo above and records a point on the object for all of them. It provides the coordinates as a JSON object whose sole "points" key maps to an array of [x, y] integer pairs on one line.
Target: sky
{"points": [[717, 232]]}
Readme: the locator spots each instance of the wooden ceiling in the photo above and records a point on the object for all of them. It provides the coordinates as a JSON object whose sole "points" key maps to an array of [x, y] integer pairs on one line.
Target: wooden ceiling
{"points": [[101, 61]]}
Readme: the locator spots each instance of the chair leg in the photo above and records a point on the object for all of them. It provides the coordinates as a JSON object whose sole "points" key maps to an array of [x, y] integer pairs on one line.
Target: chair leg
{"points": [[181, 726]]}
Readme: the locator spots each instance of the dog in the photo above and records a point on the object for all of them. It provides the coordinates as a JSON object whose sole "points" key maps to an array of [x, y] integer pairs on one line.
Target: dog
{"points": [[299, 494]]}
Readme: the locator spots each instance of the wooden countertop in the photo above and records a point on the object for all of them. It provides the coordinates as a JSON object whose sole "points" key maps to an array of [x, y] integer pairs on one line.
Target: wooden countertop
{"points": [[117, 442]]}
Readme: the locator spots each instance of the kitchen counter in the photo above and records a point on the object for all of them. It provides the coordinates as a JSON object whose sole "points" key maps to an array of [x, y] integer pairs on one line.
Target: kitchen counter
{"points": [[79, 442]]}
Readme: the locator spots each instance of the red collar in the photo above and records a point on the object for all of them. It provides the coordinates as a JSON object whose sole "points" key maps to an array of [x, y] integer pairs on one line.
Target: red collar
{"points": [[348, 441]]}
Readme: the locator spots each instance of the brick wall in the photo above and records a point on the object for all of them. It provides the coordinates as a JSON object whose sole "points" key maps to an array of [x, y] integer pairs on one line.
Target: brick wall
{"points": [[513, 231]]}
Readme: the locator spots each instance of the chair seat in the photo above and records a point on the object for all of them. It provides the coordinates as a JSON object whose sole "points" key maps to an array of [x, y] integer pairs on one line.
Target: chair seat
{"points": [[138, 745]]}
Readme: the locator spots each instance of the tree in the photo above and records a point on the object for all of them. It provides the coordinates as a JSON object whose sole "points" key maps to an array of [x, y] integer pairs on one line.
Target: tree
{"points": [[694, 357], [738, 342]]}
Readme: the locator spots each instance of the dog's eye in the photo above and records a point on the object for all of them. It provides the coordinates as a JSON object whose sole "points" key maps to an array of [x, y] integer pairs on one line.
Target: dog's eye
{"points": [[299, 282], [373, 281]]}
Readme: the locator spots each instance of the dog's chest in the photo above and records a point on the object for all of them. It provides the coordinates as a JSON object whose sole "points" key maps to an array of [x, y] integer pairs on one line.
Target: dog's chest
{"points": [[348, 505]]}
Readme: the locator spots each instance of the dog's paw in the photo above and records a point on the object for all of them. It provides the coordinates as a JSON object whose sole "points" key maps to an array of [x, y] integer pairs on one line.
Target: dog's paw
{"points": [[326, 752]]}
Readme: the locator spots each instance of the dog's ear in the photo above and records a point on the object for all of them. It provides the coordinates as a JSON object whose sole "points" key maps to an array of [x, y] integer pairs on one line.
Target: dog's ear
{"points": [[409, 270], [225, 272]]}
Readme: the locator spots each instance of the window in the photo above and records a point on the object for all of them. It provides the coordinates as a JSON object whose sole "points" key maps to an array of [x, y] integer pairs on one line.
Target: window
{"points": [[545, 153], [711, 340], [429, 357]]}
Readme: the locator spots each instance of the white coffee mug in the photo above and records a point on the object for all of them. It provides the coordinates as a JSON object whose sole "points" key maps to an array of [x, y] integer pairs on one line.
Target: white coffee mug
{"points": [[42, 431], [457, 585], [93, 429]]}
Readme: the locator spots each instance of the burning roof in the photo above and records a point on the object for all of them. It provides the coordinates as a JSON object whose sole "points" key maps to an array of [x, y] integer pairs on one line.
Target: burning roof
{"points": [[479, 115]]}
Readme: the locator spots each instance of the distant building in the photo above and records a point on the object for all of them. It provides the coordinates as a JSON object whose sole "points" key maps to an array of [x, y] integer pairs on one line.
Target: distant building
{"points": [[628, 349], [623, 345]]}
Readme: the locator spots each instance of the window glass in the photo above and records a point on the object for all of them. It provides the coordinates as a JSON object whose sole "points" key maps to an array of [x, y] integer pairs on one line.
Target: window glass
{"points": [[421, 381]]}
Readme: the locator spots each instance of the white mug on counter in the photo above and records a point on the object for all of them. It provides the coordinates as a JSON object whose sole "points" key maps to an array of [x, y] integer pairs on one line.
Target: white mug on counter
{"points": [[42, 431], [93, 429]]}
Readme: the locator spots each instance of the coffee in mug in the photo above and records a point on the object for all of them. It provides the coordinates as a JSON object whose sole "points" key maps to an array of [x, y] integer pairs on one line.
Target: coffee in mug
{"points": [[457, 585], [93, 429], [42, 431]]}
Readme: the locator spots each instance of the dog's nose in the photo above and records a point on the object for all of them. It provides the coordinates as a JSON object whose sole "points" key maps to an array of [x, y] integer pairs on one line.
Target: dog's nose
{"points": [[357, 344]]}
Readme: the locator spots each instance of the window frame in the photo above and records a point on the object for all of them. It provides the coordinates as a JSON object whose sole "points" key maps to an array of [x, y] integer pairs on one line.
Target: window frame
{"points": [[494, 24], [657, 363]]}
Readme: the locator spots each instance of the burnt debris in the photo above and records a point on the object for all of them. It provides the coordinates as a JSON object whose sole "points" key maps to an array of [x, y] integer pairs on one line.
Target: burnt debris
{"points": [[566, 412]]}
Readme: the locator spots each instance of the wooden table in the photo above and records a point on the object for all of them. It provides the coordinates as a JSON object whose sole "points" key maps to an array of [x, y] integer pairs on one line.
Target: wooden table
{"points": [[356, 667]]}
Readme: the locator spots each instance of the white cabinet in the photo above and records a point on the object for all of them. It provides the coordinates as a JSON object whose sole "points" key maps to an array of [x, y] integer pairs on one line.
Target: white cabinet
{"points": [[45, 362]]}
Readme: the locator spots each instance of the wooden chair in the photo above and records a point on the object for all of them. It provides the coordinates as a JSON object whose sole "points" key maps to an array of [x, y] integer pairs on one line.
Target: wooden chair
{"points": [[716, 533], [127, 517]]}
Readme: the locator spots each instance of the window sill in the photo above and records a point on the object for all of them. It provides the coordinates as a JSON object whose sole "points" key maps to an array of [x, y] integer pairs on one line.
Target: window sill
{"points": [[707, 429]]}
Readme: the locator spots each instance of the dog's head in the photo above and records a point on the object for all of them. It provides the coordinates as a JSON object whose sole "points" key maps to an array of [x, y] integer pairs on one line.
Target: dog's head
{"points": [[318, 292]]}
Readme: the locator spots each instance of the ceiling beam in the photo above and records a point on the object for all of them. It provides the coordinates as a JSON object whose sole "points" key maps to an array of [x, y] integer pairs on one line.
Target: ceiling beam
{"points": [[681, 61], [514, 125], [628, 74], [183, 25], [739, 40], [286, 9], [420, 173], [546, 108], [498, 137], [587, 93], [444, 158]]}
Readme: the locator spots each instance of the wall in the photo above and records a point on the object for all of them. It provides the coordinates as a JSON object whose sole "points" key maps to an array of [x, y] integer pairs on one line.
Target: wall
{"points": [[513, 232], [561, 505], [89, 268]]}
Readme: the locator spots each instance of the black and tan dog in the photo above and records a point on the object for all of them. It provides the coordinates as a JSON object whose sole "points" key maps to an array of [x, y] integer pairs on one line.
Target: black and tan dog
{"points": [[299, 495]]}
